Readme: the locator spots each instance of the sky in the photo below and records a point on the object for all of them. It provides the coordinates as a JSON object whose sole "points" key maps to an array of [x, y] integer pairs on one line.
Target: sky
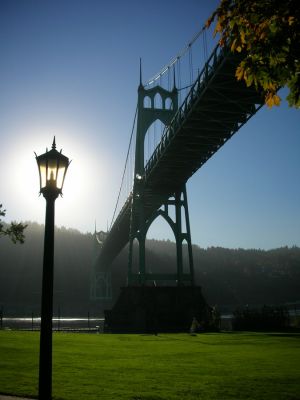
{"points": [[70, 68]]}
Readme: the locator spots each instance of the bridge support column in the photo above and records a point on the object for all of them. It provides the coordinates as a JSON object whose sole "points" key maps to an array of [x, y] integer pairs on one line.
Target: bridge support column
{"points": [[181, 201], [138, 230], [137, 236], [179, 237], [188, 235], [100, 279], [101, 286]]}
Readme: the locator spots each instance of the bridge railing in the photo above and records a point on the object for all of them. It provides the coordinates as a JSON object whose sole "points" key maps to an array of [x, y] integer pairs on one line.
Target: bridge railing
{"points": [[182, 113], [123, 210]]}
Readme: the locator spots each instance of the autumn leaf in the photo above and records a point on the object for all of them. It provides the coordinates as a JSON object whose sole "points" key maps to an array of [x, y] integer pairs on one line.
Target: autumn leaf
{"points": [[291, 20], [262, 36], [233, 44], [249, 80], [242, 36], [272, 99], [218, 28], [239, 73], [208, 22]]}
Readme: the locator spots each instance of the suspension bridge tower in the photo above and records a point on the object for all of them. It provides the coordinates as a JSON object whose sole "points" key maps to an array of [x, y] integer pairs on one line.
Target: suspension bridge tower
{"points": [[100, 279], [155, 104], [157, 301]]}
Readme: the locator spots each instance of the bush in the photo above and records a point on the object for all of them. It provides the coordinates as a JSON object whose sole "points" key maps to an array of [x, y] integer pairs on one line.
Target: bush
{"points": [[266, 318]]}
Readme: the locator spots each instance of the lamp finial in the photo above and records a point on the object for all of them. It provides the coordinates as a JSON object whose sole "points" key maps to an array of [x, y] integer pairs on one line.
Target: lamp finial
{"points": [[54, 144]]}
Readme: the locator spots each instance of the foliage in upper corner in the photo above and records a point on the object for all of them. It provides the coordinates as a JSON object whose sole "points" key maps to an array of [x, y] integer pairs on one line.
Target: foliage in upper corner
{"points": [[15, 231], [268, 33]]}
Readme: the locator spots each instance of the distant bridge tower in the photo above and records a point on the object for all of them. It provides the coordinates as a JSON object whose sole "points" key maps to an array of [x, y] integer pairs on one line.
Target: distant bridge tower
{"points": [[141, 219], [100, 288]]}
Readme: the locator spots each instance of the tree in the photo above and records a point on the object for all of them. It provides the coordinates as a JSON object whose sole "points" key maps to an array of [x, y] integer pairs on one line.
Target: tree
{"points": [[15, 231], [267, 34]]}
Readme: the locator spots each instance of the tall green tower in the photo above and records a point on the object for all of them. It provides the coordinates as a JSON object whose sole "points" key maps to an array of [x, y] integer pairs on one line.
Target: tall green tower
{"points": [[140, 220]]}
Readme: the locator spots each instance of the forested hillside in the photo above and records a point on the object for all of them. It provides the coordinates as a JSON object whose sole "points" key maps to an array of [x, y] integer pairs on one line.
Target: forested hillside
{"points": [[229, 277]]}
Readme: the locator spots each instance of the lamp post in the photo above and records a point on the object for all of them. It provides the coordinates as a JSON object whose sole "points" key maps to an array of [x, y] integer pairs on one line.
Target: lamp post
{"points": [[52, 166]]}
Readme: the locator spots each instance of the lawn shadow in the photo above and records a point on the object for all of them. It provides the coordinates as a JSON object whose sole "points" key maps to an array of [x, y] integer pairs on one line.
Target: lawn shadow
{"points": [[284, 334]]}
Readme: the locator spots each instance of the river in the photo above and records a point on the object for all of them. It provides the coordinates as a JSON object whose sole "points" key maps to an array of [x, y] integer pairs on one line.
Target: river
{"points": [[59, 324]]}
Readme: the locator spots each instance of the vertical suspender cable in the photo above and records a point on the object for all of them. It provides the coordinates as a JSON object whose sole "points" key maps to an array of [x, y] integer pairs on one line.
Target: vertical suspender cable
{"points": [[179, 77]]}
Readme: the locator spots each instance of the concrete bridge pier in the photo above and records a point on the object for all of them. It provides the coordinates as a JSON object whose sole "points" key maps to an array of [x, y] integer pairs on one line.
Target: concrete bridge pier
{"points": [[149, 309]]}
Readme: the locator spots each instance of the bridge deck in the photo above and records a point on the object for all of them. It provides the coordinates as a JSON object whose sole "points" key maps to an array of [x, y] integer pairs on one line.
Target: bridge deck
{"points": [[215, 108]]}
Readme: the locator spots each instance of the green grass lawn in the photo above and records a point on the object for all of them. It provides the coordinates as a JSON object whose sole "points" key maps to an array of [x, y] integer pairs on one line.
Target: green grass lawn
{"points": [[256, 366]]}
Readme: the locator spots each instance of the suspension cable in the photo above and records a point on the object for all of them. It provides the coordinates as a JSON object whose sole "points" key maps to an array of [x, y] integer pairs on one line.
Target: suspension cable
{"points": [[205, 50], [191, 65], [124, 171], [175, 59]]}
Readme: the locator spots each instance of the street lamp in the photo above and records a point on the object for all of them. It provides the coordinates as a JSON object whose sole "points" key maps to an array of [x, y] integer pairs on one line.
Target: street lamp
{"points": [[52, 166]]}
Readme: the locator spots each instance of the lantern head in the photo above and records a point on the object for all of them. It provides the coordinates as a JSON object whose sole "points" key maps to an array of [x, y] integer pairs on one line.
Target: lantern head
{"points": [[52, 166]]}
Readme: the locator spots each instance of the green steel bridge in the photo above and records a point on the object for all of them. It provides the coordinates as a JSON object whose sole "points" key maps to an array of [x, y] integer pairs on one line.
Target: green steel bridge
{"points": [[215, 107]]}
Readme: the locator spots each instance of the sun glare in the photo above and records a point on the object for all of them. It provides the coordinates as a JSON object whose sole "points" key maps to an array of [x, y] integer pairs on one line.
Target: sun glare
{"points": [[84, 177]]}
